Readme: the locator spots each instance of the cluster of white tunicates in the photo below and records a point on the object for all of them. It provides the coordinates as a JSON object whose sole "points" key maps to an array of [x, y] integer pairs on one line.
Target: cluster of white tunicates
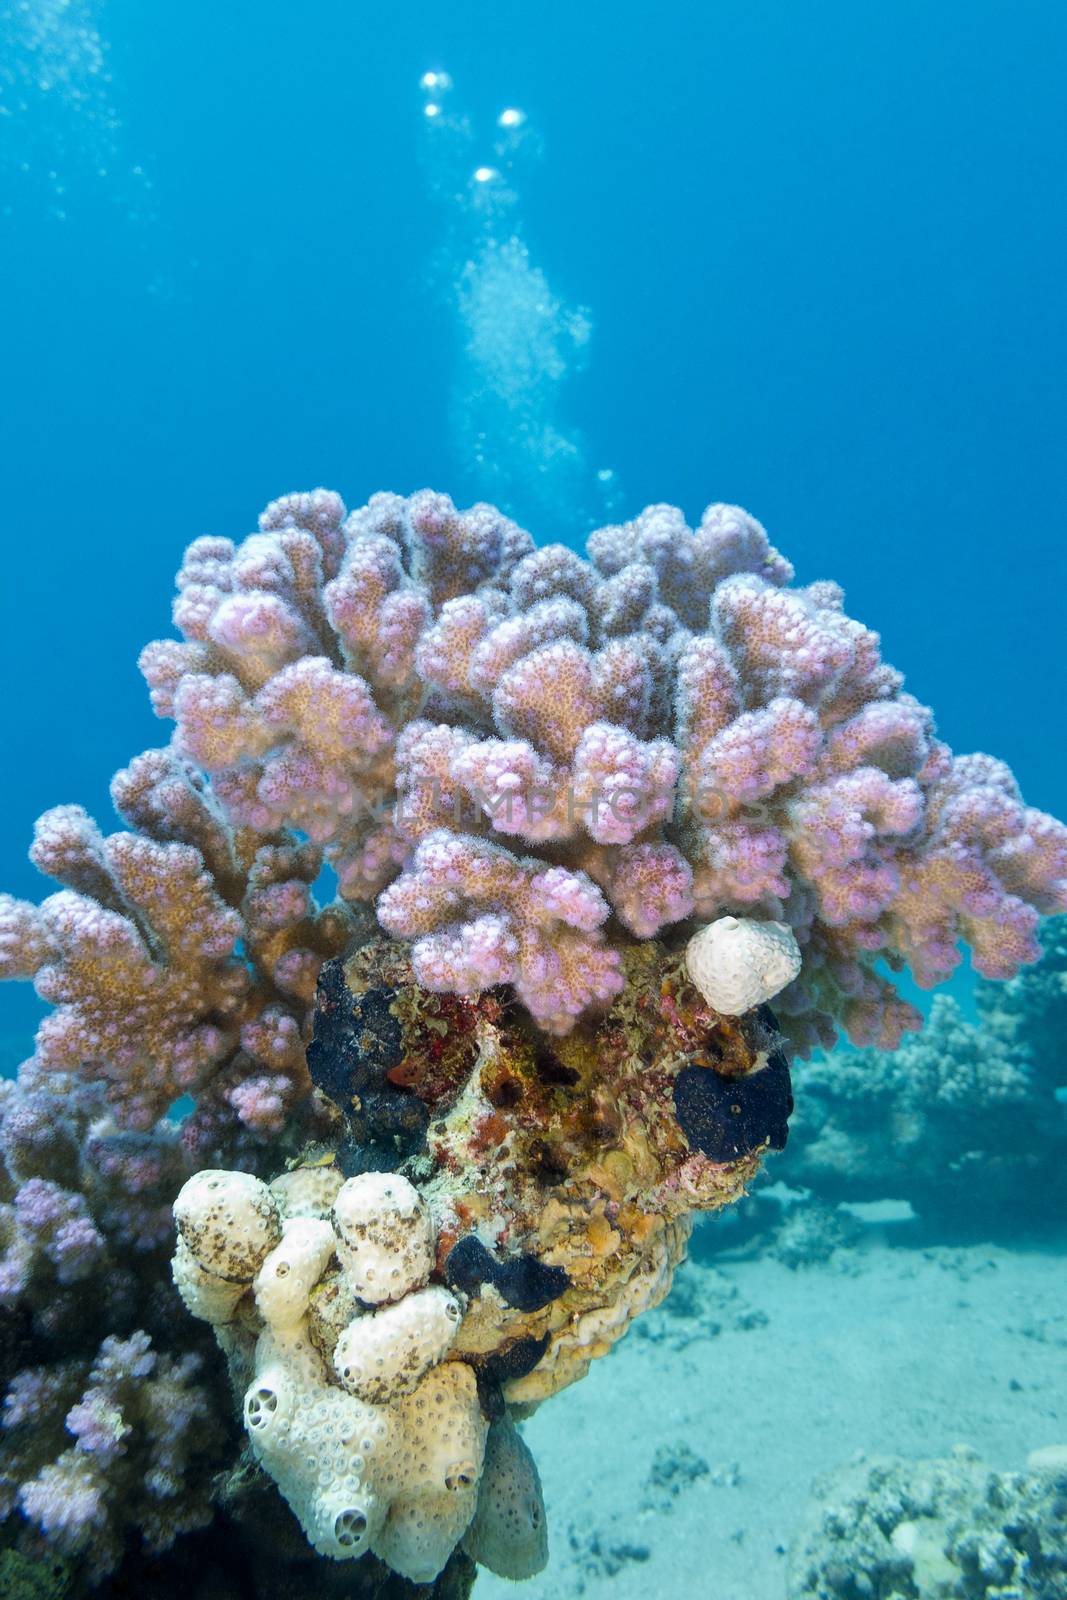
{"points": [[380, 1445]]}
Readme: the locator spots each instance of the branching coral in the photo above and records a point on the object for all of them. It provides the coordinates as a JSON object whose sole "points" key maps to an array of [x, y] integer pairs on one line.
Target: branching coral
{"points": [[667, 718], [180, 958], [105, 1428], [123, 1443], [664, 729], [82, 1202]]}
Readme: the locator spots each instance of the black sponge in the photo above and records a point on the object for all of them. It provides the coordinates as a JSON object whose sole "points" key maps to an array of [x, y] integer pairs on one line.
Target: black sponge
{"points": [[726, 1118], [358, 1040], [523, 1282]]}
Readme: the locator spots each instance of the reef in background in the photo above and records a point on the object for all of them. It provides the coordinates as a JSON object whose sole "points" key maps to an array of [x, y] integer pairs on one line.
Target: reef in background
{"points": [[966, 1121], [935, 1530]]}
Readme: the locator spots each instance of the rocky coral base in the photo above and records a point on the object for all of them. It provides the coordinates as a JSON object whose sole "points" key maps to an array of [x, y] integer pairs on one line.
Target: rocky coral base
{"points": [[549, 1185], [560, 1173], [493, 1212], [951, 1529]]}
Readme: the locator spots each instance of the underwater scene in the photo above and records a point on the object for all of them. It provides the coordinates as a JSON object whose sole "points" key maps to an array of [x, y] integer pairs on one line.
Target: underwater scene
{"points": [[535, 1060]]}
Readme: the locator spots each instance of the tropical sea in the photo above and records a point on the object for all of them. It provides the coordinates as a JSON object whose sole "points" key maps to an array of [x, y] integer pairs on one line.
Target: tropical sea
{"points": [[577, 259]]}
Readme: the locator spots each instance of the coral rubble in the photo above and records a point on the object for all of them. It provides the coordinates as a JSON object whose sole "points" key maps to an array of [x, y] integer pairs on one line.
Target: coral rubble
{"points": [[951, 1529], [438, 1142]]}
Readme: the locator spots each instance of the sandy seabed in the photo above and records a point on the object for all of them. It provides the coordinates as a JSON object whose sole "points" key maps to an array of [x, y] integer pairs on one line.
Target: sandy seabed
{"points": [[682, 1465]]}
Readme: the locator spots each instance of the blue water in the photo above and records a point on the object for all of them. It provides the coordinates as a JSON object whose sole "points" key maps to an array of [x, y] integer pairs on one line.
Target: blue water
{"points": [[821, 245]]}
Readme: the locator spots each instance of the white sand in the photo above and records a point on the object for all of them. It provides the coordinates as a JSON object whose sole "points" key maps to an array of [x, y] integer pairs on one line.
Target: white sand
{"points": [[883, 1350]]}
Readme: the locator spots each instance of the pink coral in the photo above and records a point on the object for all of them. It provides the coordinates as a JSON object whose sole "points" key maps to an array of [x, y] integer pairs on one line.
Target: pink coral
{"points": [[524, 757], [147, 990], [479, 916]]}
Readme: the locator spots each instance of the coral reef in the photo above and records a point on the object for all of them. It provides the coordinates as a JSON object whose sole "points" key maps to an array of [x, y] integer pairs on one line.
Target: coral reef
{"points": [[24, 1579], [951, 1529], [703, 1303], [966, 1121], [809, 1234], [125, 1444], [674, 1469], [115, 1420], [180, 958], [539, 781], [559, 1173]]}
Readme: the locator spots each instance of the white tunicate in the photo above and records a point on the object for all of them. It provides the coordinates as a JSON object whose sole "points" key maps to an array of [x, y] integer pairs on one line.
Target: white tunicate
{"points": [[381, 1449], [270, 1404], [384, 1354], [309, 1437], [738, 963], [445, 1433], [229, 1221], [398, 1479], [287, 1276], [384, 1237], [307, 1191], [205, 1295]]}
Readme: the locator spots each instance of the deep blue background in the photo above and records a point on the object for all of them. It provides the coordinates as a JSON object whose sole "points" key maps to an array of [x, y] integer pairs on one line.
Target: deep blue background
{"points": [[824, 245]]}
